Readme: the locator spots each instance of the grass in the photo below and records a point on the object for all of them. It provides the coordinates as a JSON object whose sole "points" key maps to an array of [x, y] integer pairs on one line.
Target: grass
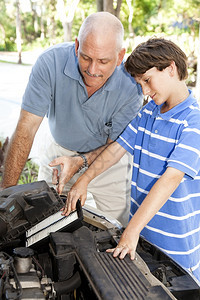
{"points": [[14, 63]]}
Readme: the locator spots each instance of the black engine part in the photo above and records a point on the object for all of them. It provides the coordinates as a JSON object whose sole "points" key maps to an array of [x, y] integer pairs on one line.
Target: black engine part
{"points": [[23, 206]]}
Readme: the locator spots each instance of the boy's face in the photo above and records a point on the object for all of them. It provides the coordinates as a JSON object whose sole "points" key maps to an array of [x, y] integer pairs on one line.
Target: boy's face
{"points": [[157, 84]]}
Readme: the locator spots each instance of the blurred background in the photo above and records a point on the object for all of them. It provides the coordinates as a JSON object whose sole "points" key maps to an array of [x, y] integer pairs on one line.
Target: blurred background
{"points": [[33, 25], [27, 27]]}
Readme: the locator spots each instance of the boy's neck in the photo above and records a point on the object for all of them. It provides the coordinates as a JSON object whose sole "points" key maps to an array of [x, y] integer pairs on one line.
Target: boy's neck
{"points": [[176, 98]]}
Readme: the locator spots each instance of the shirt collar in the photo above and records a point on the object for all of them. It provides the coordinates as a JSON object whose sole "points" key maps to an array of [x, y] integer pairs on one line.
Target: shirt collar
{"points": [[176, 109], [71, 66]]}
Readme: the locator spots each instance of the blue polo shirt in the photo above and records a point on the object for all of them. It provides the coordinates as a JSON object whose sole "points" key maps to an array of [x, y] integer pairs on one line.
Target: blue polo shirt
{"points": [[79, 123], [157, 141]]}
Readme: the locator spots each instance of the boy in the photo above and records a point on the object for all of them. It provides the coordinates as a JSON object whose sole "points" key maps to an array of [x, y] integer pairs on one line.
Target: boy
{"points": [[164, 140]]}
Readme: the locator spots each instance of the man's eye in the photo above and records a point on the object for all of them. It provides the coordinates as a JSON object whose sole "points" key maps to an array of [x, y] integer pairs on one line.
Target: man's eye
{"points": [[85, 57]]}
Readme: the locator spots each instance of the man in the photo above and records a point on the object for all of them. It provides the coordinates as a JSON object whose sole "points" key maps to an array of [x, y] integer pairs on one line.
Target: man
{"points": [[89, 98]]}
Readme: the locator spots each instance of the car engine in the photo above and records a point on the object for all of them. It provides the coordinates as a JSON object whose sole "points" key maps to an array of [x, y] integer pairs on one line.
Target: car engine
{"points": [[44, 255]]}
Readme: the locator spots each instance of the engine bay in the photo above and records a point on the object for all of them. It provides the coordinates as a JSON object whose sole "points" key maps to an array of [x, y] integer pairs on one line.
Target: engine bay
{"points": [[44, 255]]}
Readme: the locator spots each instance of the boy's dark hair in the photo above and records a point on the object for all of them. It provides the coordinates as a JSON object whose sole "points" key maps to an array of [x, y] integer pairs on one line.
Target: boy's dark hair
{"points": [[159, 53]]}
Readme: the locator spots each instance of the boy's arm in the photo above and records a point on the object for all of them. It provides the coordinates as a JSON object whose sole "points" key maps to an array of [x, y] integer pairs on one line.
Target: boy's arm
{"points": [[156, 198], [110, 156]]}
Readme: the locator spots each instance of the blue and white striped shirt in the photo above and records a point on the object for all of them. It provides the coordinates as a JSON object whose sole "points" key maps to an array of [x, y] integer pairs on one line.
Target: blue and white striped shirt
{"points": [[158, 141]]}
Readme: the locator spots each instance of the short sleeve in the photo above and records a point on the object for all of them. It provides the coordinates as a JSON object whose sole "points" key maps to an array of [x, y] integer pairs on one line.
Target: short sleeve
{"points": [[38, 93], [186, 155]]}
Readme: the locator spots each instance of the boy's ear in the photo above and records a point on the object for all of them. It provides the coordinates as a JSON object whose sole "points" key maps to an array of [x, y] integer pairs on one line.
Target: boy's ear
{"points": [[172, 68]]}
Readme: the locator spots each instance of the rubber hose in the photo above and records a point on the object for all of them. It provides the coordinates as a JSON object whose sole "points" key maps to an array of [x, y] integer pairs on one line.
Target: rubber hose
{"points": [[67, 286]]}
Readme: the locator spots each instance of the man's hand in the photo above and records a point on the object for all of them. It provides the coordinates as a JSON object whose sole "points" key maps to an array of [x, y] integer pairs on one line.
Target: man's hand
{"points": [[69, 166], [77, 191]]}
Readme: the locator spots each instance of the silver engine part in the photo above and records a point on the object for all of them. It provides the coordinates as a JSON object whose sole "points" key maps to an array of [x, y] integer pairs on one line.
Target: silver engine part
{"points": [[23, 281]]}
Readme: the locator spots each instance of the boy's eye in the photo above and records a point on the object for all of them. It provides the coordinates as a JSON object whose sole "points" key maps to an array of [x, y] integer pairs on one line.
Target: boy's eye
{"points": [[146, 80]]}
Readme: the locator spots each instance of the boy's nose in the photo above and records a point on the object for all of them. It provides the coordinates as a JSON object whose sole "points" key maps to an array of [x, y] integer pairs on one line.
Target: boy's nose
{"points": [[146, 90]]}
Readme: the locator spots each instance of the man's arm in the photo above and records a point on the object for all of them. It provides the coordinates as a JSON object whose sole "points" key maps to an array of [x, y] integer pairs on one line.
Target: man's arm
{"points": [[19, 147], [110, 156], [71, 164], [156, 198]]}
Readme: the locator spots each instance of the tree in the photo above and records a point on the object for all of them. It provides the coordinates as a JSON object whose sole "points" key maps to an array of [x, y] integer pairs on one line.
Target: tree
{"points": [[130, 17], [51, 22], [109, 5], [99, 5], [18, 32], [66, 11], [2, 23], [189, 13], [34, 16], [7, 27]]}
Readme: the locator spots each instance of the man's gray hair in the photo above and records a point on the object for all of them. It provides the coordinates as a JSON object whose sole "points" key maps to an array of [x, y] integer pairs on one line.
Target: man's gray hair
{"points": [[102, 22]]}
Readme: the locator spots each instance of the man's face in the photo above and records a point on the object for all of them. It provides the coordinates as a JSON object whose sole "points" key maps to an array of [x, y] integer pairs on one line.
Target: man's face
{"points": [[98, 59]]}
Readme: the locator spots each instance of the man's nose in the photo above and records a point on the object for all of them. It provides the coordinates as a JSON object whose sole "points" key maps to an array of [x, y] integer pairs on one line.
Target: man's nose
{"points": [[92, 68]]}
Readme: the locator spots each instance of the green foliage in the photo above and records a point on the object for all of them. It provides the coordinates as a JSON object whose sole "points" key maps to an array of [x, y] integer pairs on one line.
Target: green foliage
{"points": [[84, 9], [27, 25], [36, 44], [150, 17], [7, 29], [174, 18], [30, 173]]}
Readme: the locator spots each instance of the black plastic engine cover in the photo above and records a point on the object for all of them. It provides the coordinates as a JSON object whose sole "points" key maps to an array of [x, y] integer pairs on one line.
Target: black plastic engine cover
{"points": [[110, 278], [23, 206]]}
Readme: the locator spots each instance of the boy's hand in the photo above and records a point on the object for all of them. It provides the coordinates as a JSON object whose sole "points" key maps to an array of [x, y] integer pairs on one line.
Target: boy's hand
{"points": [[126, 245]]}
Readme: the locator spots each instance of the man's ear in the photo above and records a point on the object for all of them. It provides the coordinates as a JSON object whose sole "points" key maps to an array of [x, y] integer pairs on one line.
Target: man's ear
{"points": [[76, 46], [121, 56]]}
